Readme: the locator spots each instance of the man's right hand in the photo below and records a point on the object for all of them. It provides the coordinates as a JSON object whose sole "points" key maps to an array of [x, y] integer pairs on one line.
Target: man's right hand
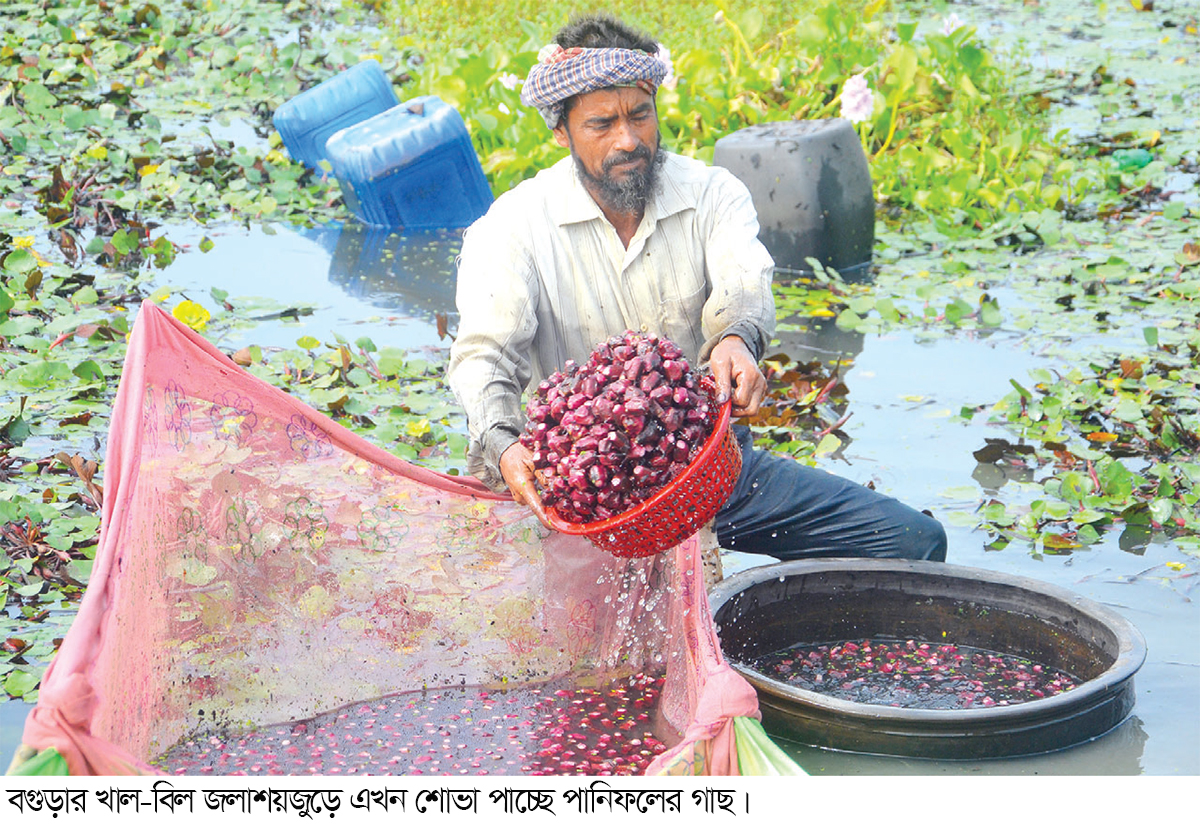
{"points": [[737, 376], [516, 466]]}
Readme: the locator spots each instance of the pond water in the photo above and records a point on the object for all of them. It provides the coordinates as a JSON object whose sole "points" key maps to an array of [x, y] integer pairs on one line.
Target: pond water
{"points": [[353, 280], [915, 451], [905, 395]]}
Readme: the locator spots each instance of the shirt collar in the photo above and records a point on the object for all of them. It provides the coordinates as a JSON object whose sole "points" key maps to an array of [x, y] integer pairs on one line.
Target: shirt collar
{"points": [[578, 206]]}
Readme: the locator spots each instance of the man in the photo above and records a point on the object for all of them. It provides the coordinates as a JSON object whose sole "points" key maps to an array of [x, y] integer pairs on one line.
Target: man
{"points": [[622, 235]]}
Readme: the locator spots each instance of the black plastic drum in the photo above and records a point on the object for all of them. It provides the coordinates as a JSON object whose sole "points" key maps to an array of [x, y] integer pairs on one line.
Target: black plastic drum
{"points": [[775, 607], [812, 189]]}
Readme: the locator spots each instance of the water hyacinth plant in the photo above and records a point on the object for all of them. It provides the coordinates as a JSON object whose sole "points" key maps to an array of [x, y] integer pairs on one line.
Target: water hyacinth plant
{"points": [[938, 125], [858, 100]]}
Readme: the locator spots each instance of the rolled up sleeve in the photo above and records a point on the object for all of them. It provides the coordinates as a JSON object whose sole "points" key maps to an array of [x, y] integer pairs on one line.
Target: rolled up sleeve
{"points": [[489, 361], [739, 268]]}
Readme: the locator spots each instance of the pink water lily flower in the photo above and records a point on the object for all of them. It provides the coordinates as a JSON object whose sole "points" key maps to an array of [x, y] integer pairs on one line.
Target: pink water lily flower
{"points": [[669, 80], [858, 100]]}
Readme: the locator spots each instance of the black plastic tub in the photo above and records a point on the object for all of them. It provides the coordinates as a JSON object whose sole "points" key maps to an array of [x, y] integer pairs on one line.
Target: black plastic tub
{"points": [[811, 186], [775, 607]]}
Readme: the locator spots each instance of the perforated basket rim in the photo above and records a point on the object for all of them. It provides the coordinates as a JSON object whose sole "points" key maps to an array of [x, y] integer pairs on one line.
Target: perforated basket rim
{"points": [[707, 453]]}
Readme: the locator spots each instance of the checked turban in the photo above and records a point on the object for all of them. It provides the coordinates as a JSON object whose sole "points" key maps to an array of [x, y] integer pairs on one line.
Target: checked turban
{"points": [[562, 73]]}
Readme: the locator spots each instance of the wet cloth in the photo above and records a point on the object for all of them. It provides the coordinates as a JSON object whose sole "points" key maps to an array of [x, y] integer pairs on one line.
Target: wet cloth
{"points": [[260, 564], [562, 73], [787, 510], [543, 278]]}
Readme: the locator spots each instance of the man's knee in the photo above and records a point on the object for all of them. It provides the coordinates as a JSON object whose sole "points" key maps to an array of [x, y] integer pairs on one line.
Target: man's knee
{"points": [[925, 539]]}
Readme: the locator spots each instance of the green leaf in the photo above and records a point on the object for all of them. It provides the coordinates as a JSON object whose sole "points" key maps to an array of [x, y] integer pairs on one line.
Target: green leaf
{"points": [[1075, 486], [125, 241], [989, 313], [42, 373], [751, 23], [31, 590], [904, 62], [1115, 479], [16, 430], [848, 320], [18, 683], [828, 445], [20, 262], [88, 370], [1161, 510], [391, 361], [957, 309]]}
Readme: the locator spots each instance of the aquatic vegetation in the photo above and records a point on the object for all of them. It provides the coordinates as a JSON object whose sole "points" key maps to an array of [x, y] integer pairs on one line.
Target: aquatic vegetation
{"points": [[997, 222], [939, 127]]}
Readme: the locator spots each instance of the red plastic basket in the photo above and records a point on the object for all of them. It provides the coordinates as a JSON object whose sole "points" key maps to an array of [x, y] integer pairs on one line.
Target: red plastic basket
{"points": [[676, 512]]}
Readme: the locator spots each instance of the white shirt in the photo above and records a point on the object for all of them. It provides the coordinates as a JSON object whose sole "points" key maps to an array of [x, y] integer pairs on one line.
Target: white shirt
{"points": [[543, 277]]}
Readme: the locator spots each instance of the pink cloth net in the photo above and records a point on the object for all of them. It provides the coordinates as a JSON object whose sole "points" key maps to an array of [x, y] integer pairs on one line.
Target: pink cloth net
{"points": [[258, 564]]}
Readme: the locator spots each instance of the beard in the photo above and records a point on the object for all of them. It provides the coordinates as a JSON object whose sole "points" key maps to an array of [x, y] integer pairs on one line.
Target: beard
{"points": [[630, 193]]}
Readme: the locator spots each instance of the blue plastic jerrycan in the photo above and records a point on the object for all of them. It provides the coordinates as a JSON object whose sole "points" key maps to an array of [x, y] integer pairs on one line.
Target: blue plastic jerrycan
{"points": [[305, 122], [412, 166]]}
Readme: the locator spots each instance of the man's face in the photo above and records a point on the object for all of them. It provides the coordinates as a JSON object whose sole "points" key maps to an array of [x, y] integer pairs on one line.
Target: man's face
{"points": [[613, 136]]}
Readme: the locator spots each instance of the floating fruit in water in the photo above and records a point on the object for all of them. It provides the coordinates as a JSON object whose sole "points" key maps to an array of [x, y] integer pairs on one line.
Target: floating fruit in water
{"points": [[526, 731], [913, 673]]}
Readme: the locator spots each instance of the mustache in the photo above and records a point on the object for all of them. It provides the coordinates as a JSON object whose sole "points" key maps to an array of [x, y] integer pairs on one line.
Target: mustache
{"points": [[642, 152]]}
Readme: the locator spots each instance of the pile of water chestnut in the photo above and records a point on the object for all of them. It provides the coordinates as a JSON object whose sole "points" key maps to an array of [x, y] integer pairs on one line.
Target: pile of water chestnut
{"points": [[608, 434]]}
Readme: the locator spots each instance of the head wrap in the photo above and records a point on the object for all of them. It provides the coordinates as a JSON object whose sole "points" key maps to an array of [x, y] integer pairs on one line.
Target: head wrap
{"points": [[562, 73]]}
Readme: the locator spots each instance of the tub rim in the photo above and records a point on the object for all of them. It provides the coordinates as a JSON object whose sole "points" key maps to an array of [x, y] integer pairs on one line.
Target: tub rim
{"points": [[1131, 647]]}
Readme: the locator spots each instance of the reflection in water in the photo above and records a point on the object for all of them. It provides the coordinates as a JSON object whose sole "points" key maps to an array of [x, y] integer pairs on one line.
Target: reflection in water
{"points": [[995, 475], [816, 338], [1135, 538], [411, 271]]}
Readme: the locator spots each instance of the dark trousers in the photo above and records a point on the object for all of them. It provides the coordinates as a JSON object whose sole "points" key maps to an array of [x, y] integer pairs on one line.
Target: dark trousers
{"points": [[788, 510]]}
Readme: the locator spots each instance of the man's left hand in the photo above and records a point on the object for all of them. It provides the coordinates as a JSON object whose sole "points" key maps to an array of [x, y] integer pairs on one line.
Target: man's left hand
{"points": [[737, 376]]}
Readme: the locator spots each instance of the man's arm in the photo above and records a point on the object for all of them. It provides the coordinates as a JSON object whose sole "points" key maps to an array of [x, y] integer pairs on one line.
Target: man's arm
{"points": [[489, 365], [739, 316]]}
